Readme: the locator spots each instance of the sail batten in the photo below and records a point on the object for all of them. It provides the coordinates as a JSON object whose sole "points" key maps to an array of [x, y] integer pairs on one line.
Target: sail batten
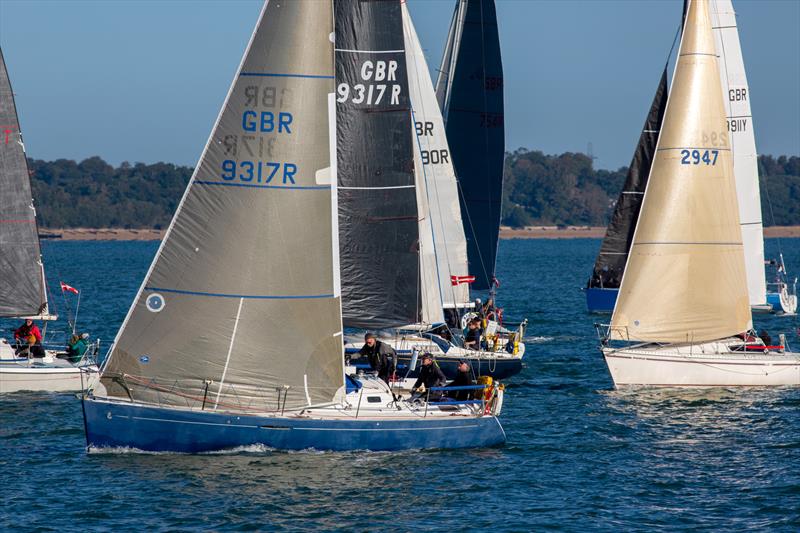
{"points": [[22, 285], [685, 278], [240, 306], [610, 262]]}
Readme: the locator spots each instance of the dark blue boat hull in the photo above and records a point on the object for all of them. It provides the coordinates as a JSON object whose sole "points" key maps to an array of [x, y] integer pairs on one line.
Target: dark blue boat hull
{"points": [[112, 424], [601, 300]]}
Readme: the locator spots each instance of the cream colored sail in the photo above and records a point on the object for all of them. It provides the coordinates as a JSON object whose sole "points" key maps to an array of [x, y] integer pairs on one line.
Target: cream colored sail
{"points": [[685, 278]]}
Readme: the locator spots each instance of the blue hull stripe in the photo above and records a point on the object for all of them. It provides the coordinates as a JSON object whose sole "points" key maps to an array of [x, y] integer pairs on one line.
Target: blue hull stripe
{"points": [[113, 424], [255, 186], [245, 296], [285, 75]]}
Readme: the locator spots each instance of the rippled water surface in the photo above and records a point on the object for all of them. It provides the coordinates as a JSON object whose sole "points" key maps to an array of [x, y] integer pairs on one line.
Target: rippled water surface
{"points": [[580, 456]]}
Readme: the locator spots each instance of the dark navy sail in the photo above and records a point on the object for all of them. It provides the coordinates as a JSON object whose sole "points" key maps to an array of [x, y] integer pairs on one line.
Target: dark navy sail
{"points": [[378, 226], [22, 291], [470, 93], [610, 263]]}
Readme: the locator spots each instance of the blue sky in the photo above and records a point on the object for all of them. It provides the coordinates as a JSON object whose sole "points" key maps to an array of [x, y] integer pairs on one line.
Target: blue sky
{"points": [[143, 80]]}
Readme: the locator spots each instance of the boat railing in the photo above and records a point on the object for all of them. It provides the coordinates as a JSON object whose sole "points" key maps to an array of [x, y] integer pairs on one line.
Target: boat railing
{"points": [[187, 393], [482, 402], [605, 332]]}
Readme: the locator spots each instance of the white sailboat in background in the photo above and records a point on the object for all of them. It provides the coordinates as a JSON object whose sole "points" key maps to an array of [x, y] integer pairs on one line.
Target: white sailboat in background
{"points": [[23, 288], [779, 296], [684, 294]]}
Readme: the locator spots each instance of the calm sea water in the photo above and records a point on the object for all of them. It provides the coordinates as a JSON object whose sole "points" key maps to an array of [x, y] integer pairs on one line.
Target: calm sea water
{"points": [[580, 456]]}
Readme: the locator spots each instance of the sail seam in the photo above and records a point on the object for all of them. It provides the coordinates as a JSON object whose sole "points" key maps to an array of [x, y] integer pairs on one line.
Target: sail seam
{"points": [[378, 188], [245, 296], [370, 51], [691, 242], [254, 186], [695, 148], [285, 75]]}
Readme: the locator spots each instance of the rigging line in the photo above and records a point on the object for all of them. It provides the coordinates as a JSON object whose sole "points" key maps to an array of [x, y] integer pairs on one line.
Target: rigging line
{"points": [[230, 349], [771, 212], [486, 145]]}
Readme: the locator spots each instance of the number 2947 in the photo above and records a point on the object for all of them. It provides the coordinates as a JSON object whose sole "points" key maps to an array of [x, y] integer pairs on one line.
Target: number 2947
{"points": [[695, 157]]}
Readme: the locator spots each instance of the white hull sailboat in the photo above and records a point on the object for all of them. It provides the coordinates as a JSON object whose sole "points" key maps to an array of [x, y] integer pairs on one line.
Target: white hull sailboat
{"points": [[684, 301], [711, 364]]}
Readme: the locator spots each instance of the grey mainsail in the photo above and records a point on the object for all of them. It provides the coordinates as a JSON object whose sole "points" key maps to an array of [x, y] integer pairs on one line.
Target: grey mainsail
{"points": [[610, 263], [470, 93], [241, 303], [378, 217], [22, 289]]}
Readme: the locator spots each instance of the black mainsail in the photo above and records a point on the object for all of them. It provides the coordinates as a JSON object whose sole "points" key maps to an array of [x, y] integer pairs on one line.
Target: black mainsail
{"points": [[22, 289], [610, 263], [470, 94], [378, 225]]}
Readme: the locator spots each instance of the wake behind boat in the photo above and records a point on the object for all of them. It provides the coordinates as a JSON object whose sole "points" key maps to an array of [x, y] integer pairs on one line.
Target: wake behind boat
{"points": [[233, 342], [684, 294]]}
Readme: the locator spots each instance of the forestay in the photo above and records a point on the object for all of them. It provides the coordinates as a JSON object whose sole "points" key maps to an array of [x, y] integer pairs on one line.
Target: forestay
{"points": [[736, 95], [22, 290], [240, 303], [436, 176], [685, 278], [610, 263], [470, 93], [378, 217]]}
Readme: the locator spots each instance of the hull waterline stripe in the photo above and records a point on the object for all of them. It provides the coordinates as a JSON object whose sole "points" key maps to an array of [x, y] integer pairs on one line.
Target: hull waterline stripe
{"points": [[247, 426], [245, 296], [254, 186], [284, 75]]}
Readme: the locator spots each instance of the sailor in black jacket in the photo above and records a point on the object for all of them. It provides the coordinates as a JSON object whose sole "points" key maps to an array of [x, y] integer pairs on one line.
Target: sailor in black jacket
{"points": [[430, 375], [382, 357]]}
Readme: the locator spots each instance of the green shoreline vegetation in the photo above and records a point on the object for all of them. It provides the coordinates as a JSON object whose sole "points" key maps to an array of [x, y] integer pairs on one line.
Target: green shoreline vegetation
{"points": [[552, 190]]}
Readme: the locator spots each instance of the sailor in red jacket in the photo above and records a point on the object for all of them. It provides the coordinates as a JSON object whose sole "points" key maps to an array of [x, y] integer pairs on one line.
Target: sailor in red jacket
{"points": [[28, 335]]}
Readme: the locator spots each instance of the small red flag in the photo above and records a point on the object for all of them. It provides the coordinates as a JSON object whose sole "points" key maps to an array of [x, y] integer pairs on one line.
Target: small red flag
{"points": [[68, 288], [458, 280]]}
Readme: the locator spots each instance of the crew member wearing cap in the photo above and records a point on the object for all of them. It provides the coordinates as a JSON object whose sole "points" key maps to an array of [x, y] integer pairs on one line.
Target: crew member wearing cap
{"points": [[430, 375], [77, 346], [382, 357], [463, 378]]}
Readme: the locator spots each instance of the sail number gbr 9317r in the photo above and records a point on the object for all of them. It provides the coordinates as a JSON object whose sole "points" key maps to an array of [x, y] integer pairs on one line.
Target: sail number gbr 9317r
{"points": [[695, 157]]}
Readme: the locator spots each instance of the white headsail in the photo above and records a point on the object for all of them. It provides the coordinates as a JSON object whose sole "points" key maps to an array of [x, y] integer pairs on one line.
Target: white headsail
{"points": [[736, 96], [685, 278], [435, 169]]}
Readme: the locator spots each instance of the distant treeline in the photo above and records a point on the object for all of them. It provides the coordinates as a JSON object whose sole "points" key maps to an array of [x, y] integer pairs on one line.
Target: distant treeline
{"points": [[566, 190], [540, 189]]}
